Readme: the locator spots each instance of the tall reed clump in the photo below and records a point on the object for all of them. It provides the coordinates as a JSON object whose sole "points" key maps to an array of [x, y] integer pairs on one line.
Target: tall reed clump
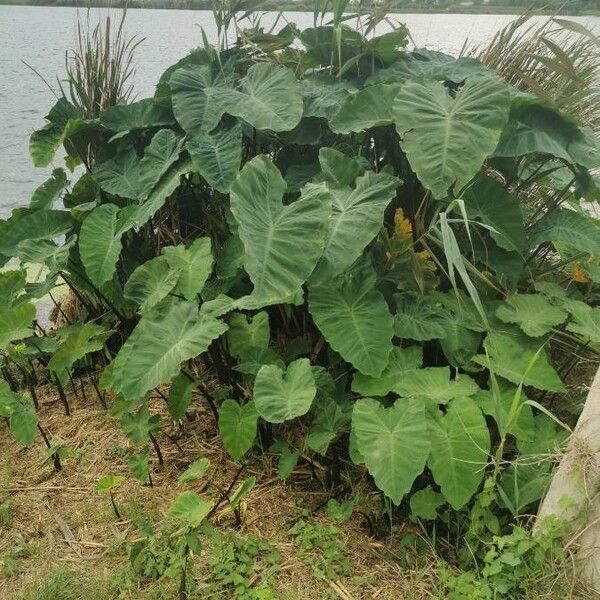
{"points": [[100, 67], [557, 60]]}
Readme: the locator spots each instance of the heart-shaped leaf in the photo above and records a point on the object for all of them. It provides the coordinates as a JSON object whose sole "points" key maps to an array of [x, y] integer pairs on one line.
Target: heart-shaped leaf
{"points": [[195, 471], [460, 444], [160, 342], [416, 318], [520, 360], [394, 443], [434, 383], [194, 264], [356, 217], [280, 396], [282, 243], [217, 156], [400, 361], [151, 282], [354, 318], [447, 139], [246, 334], [237, 426]]}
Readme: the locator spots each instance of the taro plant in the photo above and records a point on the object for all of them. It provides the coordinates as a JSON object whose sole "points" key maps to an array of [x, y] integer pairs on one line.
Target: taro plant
{"points": [[374, 250]]}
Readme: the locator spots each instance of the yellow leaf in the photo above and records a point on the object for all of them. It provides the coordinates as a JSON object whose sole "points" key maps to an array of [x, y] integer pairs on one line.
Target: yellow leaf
{"points": [[578, 274]]}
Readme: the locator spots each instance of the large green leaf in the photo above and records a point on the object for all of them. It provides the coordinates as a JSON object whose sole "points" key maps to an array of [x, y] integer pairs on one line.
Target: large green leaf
{"points": [[12, 284], [199, 97], [86, 338], [32, 225], [423, 64], [180, 395], [575, 229], [425, 503], [282, 243], [246, 333], [434, 383], [45, 195], [120, 175], [487, 199], [354, 318], [394, 443], [370, 107], [416, 318], [217, 156], [536, 126], [356, 218], [499, 405], [400, 361], [21, 413], [447, 139], [237, 426], [138, 214], [460, 342], [533, 313], [44, 142], [460, 444], [139, 425], [24, 422], [161, 341], [323, 97], [280, 396], [586, 320], [129, 176], [43, 145], [270, 98], [162, 151], [331, 419], [195, 471], [15, 323], [151, 282], [339, 168], [194, 264], [520, 360], [137, 115], [100, 243]]}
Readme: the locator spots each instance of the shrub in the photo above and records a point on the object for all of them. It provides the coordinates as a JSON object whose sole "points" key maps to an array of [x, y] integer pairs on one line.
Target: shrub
{"points": [[379, 243]]}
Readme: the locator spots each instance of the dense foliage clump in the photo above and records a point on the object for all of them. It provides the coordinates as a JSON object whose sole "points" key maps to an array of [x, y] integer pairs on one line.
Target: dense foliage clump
{"points": [[378, 248]]}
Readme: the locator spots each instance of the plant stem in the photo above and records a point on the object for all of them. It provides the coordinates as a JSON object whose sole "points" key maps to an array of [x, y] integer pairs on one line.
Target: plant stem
{"points": [[62, 395], [115, 509], [55, 456], [157, 450]]}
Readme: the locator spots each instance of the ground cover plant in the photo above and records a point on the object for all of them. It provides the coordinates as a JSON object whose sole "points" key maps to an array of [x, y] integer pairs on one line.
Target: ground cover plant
{"points": [[356, 254]]}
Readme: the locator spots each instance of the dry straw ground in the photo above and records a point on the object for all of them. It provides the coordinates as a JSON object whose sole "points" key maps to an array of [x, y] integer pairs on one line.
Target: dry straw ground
{"points": [[56, 520]]}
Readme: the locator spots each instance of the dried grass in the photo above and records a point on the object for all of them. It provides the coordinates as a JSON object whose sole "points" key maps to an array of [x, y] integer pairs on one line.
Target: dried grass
{"points": [[43, 498]]}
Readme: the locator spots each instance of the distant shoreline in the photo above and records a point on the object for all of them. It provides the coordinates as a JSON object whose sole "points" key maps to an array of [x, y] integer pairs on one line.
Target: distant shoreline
{"points": [[298, 6]]}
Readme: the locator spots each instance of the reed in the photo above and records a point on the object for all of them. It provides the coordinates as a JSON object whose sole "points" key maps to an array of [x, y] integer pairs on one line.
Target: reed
{"points": [[558, 61], [100, 68]]}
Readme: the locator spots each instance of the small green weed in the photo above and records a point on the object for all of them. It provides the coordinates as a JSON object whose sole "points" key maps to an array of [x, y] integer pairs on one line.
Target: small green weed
{"points": [[320, 549], [510, 564], [237, 564], [59, 585], [9, 562], [158, 554], [6, 509]]}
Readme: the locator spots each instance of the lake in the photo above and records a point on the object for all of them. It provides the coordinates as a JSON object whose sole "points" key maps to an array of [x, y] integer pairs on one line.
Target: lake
{"points": [[39, 36]]}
